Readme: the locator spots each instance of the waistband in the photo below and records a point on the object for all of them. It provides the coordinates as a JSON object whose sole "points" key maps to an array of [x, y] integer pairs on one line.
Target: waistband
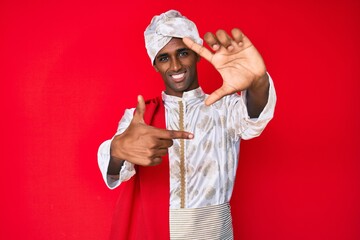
{"points": [[211, 222]]}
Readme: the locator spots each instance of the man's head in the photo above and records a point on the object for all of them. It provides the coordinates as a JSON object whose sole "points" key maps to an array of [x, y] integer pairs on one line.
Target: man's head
{"points": [[165, 26], [170, 56]]}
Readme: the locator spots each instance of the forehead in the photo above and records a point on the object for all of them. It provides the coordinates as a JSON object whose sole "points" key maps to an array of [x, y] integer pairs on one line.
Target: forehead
{"points": [[172, 46]]}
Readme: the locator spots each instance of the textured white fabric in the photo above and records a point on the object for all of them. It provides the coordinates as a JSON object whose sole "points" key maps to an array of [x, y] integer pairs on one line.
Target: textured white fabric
{"points": [[165, 26], [211, 158]]}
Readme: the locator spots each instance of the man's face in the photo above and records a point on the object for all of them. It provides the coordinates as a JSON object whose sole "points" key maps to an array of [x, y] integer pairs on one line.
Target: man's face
{"points": [[177, 65]]}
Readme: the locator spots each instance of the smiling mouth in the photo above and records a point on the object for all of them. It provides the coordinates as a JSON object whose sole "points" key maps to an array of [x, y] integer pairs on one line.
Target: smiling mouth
{"points": [[178, 77]]}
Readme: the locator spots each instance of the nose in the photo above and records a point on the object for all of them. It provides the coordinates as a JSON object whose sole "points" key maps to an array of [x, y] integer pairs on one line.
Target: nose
{"points": [[175, 64]]}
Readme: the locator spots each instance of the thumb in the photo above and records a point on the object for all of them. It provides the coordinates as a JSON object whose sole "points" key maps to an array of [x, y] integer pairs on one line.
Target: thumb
{"points": [[140, 109], [215, 96], [224, 90]]}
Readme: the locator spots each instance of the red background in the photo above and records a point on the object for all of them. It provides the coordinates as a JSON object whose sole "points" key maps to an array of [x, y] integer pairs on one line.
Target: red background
{"points": [[68, 70]]}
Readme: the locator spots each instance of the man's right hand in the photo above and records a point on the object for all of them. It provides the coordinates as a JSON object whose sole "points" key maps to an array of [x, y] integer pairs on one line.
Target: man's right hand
{"points": [[142, 144]]}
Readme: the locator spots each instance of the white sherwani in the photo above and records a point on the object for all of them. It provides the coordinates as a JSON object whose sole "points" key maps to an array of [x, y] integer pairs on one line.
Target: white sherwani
{"points": [[202, 170]]}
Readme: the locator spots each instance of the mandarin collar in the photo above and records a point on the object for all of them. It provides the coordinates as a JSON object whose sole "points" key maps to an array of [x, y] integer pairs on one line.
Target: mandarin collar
{"points": [[195, 94]]}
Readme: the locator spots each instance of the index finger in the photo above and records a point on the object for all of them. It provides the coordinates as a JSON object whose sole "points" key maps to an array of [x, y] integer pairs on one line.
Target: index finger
{"points": [[199, 49], [173, 134]]}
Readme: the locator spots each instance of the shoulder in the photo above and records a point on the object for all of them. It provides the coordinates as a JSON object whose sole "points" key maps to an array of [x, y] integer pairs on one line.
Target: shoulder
{"points": [[153, 101]]}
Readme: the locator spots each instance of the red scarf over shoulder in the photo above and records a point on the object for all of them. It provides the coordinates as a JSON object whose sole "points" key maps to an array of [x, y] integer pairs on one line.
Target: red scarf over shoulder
{"points": [[142, 209]]}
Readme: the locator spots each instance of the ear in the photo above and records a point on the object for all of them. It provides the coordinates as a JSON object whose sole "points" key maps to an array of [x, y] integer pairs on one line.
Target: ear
{"points": [[156, 69], [198, 58]]}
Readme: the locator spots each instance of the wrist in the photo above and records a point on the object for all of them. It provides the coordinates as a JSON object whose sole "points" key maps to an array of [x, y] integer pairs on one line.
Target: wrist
{"points": [[115, 166], [261, 82], [116, 161]]}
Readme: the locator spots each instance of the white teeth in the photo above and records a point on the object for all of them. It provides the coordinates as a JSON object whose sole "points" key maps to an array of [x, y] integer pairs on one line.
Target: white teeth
{"points": [[178, 76]]}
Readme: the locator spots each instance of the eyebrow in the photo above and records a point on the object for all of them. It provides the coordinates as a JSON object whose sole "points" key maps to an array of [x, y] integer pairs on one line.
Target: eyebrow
{"points": [[182, 49], [162, 55]]}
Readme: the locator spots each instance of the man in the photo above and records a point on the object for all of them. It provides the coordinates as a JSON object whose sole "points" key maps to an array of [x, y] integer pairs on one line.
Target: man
{"points": [[193, 142]]}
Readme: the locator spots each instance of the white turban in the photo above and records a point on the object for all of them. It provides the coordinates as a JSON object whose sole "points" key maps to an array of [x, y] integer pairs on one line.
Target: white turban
{"points": [[166, 26]]}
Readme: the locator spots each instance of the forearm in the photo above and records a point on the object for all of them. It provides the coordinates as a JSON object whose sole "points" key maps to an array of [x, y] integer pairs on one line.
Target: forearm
{"points": [[257, 96], [112, 181], [119, 169]]}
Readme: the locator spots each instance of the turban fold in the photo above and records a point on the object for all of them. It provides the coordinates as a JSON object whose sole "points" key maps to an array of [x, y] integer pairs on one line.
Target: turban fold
{"points": [[165, 26]]}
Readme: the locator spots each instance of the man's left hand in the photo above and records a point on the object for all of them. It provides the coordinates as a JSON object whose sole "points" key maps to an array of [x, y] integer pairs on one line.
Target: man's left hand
{"points": [[235, 57]]}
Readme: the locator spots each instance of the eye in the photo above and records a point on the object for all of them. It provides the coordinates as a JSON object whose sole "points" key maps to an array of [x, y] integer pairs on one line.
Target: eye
{"points": [[183, 53], [163, 59]]}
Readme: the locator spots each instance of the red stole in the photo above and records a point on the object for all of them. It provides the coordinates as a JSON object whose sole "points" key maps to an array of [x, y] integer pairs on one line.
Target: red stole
{"points": [[142, 209]]}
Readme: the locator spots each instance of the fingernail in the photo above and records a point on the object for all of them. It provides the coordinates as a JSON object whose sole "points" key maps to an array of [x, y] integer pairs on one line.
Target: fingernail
{"points": [[215, 47], [191, 136], [230, 48]]}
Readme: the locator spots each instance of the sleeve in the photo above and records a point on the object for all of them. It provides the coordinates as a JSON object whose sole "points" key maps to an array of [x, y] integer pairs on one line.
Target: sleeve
{"points": [[127, 170], [253, 127]]}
